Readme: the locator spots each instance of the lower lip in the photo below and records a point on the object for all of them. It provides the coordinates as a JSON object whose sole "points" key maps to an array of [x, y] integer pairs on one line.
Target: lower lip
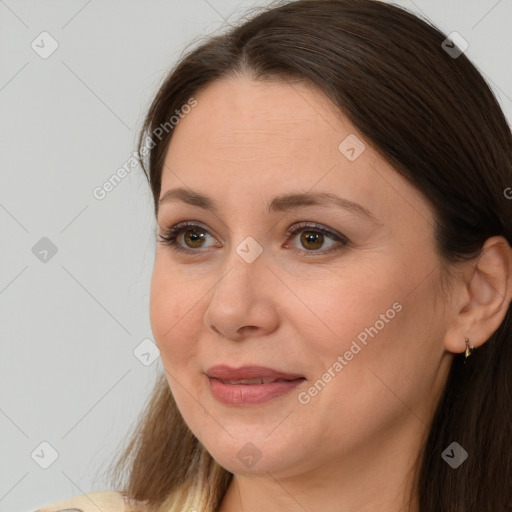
{"points": [[246, 394]]}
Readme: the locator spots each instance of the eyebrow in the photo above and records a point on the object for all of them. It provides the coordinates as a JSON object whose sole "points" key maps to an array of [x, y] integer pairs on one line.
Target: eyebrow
{"points": [[279, 203]]}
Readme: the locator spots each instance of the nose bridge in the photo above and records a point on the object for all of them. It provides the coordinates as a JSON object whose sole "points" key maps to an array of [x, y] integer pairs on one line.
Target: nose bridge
{"points": [[240, 297], [244, 268]]}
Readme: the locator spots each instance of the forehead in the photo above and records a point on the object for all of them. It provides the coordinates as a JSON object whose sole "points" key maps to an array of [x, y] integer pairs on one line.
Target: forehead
{"points": [[249, 119], [249, 136]]}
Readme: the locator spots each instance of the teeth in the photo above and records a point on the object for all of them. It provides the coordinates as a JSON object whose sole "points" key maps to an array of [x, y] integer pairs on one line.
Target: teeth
{"points": [[244, 381], [253, 381]]}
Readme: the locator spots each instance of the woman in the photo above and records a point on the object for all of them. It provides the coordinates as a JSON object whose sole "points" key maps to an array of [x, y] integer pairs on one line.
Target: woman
{"points": [[333, 277]]}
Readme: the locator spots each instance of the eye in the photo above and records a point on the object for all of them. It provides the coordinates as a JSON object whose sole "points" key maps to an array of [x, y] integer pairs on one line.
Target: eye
{"points": [[192, 235], [313, 236]]}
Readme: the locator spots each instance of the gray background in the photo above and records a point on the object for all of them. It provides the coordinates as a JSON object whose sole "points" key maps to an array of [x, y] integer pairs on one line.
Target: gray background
{"points": [[70, 324]]}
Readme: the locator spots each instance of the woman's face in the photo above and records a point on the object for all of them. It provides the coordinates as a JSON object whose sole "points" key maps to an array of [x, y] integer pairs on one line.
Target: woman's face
{"points": [[348, 301]]}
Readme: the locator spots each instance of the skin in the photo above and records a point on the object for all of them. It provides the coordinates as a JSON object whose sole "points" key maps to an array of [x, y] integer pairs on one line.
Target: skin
{"points": [[351, 448]]}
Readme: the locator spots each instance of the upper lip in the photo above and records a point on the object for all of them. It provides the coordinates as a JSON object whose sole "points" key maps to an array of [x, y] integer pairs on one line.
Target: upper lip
{"points": [[224, 372]]}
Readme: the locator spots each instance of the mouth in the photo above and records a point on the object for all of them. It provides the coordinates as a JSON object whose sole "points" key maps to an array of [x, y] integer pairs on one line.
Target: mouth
{"points": [[250, 374], [250, 385]]}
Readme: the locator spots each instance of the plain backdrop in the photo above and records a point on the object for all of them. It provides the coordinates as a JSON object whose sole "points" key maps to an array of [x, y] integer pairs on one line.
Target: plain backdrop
{"points": [[75, 270]]}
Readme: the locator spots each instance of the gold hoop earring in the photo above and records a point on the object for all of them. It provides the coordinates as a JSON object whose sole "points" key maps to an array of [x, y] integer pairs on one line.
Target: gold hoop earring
{"points": [[468, 349]]}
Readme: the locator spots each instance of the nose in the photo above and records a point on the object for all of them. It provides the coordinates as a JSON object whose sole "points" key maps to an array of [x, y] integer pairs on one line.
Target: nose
{"points": [[242, 302]]}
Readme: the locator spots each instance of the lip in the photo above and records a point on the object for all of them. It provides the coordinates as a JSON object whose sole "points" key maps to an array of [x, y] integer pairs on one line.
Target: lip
{"points": [[225, 372], [250, 394]]}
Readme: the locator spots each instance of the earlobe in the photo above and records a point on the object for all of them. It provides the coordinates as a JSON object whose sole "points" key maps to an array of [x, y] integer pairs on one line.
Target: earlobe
{"points": [[486, 293]]}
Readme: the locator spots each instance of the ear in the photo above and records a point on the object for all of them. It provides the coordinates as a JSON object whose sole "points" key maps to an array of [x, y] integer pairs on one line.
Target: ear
{"points": [[480, 297]]}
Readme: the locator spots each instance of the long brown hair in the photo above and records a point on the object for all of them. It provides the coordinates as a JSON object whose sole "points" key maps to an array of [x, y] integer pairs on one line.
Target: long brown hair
{"points": [[436, 120]]}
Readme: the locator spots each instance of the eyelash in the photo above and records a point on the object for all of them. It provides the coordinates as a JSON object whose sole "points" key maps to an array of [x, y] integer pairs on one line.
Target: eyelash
{"points": [[170, 235]]}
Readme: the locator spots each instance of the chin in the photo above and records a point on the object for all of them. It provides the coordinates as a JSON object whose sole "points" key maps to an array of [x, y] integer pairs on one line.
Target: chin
{"points": [[254, 455]]}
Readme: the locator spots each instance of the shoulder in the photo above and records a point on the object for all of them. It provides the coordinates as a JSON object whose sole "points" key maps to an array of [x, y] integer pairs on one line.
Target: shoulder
{"points": [[106, 501]]}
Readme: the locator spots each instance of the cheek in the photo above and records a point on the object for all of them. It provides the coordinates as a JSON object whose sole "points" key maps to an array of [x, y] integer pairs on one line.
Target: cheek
{"points": [[174, 317], [370, 318], [386, 337], [356, 307]]}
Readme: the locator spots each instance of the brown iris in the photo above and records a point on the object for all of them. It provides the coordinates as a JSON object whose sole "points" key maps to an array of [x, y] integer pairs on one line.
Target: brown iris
{"points": [[193, 236], [311, 237]]}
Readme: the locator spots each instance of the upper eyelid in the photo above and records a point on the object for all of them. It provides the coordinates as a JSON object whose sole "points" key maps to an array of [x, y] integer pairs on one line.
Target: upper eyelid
{"points": [[314, 226], [296, 226], [179, 226]]}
